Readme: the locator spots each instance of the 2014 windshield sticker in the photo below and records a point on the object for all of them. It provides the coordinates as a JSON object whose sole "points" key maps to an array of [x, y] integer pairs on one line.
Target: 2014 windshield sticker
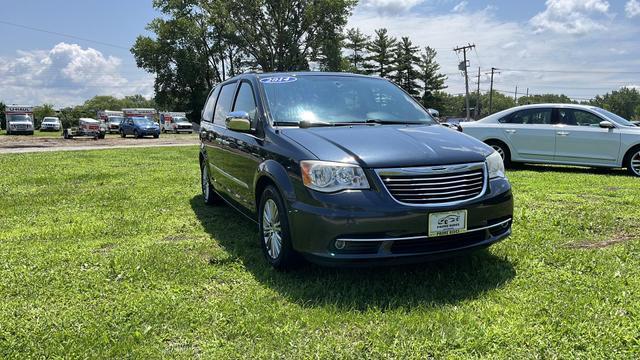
{"points": [[278, 79]]}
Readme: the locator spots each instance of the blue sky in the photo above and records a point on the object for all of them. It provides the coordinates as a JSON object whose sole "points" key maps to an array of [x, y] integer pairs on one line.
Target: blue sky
{"points": [[598, 37]]}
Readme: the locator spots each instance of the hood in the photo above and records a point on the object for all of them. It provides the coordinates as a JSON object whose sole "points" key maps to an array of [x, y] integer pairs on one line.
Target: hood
{"points": [[383, 146], [183, 123]]}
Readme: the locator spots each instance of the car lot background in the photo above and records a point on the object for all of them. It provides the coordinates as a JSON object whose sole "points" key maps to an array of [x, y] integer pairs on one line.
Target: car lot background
{"points": [[124, 260]]}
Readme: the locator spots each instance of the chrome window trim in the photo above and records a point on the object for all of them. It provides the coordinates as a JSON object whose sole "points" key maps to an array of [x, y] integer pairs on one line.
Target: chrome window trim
{"points": [[436, 170], [422, 236]]}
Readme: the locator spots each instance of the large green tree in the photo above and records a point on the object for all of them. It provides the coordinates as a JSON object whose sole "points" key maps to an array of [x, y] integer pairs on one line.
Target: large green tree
{"points": [[198, 43], [42, 111], [381, 53], [404, 69], [624, 102], [356, 44], [545, 99], [431, 78]]}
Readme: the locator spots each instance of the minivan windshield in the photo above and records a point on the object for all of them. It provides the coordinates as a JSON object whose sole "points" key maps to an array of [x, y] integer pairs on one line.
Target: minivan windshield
{"points": [[617, 118], [335, 99]]}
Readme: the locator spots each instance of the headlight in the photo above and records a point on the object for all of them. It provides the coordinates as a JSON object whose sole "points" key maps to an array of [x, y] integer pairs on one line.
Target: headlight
{"points": [[495, 165], [330, 176]]}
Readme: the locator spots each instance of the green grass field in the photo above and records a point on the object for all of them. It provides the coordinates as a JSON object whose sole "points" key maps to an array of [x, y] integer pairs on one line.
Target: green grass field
{"points": [[112, 254]]}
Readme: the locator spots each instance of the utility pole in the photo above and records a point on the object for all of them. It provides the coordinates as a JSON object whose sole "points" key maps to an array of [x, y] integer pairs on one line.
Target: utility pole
{"points": [[476, 111], [515, 96], [463, 66], [493, 71]]}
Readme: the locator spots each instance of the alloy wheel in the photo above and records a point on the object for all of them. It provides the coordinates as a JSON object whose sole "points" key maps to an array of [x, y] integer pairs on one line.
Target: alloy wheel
{"points": [[271, 229], [635, 163], [499, 150], [205, 184]]}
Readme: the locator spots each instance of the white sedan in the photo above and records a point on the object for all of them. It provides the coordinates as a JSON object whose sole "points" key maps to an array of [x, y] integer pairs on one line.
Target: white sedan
{"points": [[561, 134]]}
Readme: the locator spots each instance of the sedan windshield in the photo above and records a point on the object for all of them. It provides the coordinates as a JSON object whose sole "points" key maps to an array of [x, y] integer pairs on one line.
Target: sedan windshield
{"points": [[618, 119], [329, 100]]}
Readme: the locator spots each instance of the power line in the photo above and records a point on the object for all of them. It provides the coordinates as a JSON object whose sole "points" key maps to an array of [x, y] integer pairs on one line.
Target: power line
{"points": [[572, 71], [63, 35]]}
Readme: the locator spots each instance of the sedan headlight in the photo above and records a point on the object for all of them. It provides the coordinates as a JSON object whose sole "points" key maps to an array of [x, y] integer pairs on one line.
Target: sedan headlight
{"points": [[495, 165], [327, 176]]}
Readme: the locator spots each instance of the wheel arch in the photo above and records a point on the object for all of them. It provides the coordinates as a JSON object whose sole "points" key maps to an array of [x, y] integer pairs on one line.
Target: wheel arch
{"points": [[630, 150], [271, 172], [493, 140]]}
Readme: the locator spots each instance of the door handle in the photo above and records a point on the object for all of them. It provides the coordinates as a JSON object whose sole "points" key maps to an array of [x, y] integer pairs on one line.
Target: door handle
{"points": [[510, 131], [563, 133]]}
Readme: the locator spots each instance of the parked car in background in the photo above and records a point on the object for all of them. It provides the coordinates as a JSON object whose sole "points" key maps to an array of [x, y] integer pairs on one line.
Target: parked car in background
{"points": [[19, 119], [50, 123], [139, 127], [561, 134], [175, 122], [348, 169], [87, 127]]}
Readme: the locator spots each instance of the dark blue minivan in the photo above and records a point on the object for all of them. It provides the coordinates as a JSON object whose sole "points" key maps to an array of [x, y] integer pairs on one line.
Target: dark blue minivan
{"points": [[348, 169]]}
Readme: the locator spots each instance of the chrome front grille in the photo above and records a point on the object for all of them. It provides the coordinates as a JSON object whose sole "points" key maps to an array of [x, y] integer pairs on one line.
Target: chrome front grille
{"points": [[435, 185]]}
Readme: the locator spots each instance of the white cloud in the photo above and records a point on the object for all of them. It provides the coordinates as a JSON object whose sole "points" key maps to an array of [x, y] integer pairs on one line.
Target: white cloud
{"points": [[507, 44], [632, 8], [576, 17], [65, 75], [462, 6], [389, 6]]}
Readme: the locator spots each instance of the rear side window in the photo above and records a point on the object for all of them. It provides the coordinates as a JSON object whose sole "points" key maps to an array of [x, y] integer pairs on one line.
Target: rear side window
{"points": [[245, 101], [223, 105], [207, 113], [530, 116]]}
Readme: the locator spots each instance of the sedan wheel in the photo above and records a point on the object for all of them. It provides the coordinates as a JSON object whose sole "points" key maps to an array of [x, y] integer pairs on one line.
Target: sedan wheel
{"points": [[499, 150], [634, 163]]}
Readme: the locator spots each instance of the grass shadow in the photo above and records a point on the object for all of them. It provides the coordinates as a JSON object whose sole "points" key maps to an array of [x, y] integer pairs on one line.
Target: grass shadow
{"points": [[567, 169], [400, 287]]}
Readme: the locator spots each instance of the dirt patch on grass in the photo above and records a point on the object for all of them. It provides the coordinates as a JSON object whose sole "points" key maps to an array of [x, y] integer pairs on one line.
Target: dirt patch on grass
{"points": [[586, 244], [105, 248], [177, 237]]}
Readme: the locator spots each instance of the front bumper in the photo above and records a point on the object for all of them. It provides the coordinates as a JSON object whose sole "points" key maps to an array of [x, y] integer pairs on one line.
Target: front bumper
{"points": [[378, 230]]}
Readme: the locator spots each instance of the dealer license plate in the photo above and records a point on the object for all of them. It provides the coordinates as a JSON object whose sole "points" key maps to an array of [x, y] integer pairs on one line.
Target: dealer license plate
{"points": [[447, 223]]}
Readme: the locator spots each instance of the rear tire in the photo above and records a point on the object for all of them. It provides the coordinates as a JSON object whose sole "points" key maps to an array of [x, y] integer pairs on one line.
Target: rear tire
{"points": [[209, 195], [275, 235], [503, 150]]}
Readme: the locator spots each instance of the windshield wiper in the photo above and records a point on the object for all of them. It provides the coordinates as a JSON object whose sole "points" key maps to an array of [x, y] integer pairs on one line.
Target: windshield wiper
{"points": [[382, 121]]}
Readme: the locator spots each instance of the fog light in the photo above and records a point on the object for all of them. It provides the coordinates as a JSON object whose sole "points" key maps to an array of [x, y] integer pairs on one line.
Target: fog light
{"points": [[340, 244], [506, 225]]}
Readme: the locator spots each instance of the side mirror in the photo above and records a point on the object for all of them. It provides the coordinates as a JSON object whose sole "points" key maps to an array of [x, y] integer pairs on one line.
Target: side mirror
{"points": [[433, 112], [607, 125], [238, 121]]}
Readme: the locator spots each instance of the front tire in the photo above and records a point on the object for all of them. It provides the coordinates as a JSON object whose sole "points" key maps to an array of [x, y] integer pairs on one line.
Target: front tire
{"points": [[275, 235], [122, 134], [633, 162], [136, 134]]}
